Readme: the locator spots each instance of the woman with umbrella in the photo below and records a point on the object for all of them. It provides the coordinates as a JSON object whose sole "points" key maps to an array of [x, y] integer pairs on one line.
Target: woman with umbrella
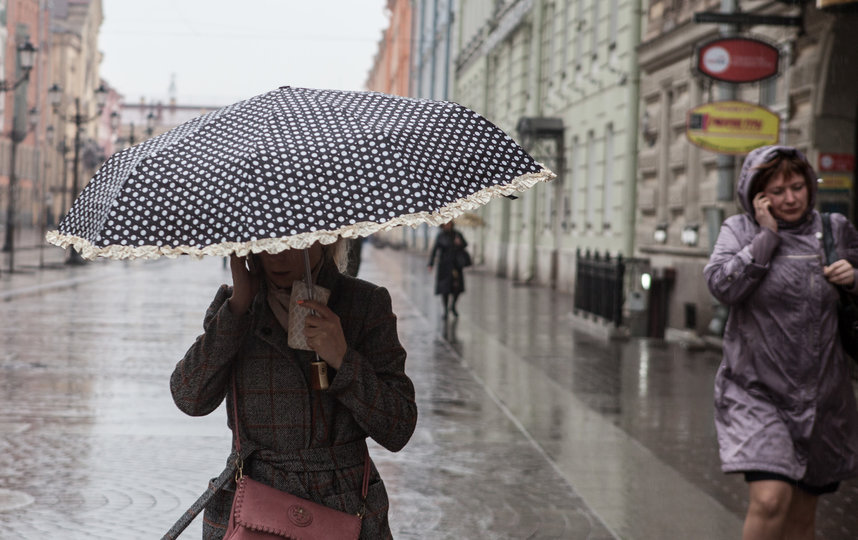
{"points": [[293, 425], [291, 172], [449, 279]]}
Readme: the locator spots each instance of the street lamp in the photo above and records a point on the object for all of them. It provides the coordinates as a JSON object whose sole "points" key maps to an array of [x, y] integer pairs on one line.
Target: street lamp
{"points": [[26, 60], [116, 125], [150, 124], [55, 94]]}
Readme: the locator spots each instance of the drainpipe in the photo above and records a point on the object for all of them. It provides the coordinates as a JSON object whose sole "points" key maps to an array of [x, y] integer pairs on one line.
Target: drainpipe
{"points": [[448, 31], [786, 51], [726, 164], [432, 48], [630, 196], [534, 106]]}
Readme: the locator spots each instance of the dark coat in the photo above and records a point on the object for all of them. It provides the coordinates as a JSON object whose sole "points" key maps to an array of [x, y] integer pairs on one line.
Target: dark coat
{"points": [[449, 278], [783, 398], [310, 443]]}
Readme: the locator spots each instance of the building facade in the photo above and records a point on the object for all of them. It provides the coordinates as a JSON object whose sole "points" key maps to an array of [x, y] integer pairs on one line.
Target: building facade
{"points": [[432, 66], [685, 192], [560, 76], [22, 187], [391, 69], [75, 63]]}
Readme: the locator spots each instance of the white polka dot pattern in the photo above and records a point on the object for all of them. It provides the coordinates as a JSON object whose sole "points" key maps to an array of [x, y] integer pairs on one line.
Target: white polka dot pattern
{"points": [[293, 166]]}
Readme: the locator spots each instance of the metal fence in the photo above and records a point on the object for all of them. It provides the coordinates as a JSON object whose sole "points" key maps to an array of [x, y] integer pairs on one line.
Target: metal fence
{"points": [[599, 285]]}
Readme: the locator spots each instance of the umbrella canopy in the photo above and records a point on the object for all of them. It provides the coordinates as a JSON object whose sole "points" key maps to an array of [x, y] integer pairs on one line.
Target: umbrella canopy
{"points": [[291, 167]]}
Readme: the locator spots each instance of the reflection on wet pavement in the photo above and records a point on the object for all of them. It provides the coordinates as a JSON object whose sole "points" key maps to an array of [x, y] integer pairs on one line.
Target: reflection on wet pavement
{"points": [[628, 424]]}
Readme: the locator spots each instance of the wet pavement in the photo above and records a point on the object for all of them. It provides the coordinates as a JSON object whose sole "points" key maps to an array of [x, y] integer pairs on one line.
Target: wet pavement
{"points": [[528, 428]]}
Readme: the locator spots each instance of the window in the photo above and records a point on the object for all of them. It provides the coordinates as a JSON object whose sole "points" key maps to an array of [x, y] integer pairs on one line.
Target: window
{"points": [[607, 195], [574, 169], [591, 179], [613, 23], [565, 43], [594, 46], [579, 34]]}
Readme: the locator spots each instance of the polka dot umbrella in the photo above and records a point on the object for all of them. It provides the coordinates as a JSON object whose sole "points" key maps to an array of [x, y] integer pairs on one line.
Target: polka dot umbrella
{"points": [[291, 167]]}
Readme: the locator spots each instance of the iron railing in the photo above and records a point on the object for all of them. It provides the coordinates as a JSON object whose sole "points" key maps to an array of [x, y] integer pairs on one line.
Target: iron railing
{"points": [[599, 285]]}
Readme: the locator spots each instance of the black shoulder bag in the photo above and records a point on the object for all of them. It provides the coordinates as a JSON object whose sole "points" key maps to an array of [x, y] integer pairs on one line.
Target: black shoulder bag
{"points": [[847, 310]]}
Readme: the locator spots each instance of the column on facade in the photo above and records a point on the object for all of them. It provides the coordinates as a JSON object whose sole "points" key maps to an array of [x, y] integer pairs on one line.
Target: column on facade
{"points": [[665, 103]]}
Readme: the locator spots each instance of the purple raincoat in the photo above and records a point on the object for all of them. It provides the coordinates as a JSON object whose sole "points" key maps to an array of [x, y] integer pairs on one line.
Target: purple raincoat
{"points": [[784, 401]]}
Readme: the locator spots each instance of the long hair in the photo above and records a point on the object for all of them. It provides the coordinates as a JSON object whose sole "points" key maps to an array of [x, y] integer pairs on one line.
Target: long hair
{"points": [[338, 253]]}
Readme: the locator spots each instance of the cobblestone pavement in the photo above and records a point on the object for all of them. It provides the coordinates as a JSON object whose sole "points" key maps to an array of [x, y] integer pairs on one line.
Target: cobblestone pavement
{"points": [[527, 428]]}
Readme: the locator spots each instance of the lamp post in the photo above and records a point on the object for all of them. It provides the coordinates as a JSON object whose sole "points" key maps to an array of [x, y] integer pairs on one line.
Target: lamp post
{"points": [[151, 120], [116, 125], [55, 94], [26, 60]]}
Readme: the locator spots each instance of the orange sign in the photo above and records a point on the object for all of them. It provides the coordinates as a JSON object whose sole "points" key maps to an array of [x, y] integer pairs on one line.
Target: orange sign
{"points": [[732, 127]]}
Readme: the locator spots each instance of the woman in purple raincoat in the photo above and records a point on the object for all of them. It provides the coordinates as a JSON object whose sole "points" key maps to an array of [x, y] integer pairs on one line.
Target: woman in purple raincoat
{"points": [[785, 409]]}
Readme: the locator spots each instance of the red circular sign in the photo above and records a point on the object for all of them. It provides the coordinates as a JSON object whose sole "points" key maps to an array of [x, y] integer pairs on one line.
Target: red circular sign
{"points": [[738, 60]]}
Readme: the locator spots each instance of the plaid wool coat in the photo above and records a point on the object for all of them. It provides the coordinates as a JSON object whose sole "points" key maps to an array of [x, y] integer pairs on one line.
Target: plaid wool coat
{"points": [[308, 443]]}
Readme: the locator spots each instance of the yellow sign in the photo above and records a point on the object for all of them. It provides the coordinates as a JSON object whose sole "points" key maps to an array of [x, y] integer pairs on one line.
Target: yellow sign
{"points": [[732, 127], [836, 182]]}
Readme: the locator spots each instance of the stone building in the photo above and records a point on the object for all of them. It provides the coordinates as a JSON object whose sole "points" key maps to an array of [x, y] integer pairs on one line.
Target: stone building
{"points": [[391, 69], [75, 63], [21, 22], [559, 75], [685, 192]]}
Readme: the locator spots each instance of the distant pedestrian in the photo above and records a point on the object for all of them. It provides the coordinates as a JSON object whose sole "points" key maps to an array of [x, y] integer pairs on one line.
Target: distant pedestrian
{"points": [[449, 279], [785, 410], [308, 441]]}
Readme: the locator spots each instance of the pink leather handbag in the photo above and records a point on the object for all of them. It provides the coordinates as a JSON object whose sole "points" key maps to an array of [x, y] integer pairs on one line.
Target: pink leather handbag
{"points": [[262, 512]]}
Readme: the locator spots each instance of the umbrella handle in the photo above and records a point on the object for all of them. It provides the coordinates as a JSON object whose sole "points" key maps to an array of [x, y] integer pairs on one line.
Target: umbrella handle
{"points": [[308, 274], [319, 369]]}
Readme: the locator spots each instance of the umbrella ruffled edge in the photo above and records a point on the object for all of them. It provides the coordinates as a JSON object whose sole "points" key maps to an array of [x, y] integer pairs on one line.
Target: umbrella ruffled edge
{"points": [[304, 240]]}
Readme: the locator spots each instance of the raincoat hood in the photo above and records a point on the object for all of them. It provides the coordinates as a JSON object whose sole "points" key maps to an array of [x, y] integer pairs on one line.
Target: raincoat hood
{"points": [[760, 156]]}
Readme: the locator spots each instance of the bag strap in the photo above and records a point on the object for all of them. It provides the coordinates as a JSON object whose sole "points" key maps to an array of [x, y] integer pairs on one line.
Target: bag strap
{"points": [[831, 252], [828, 239], [231, 471]]}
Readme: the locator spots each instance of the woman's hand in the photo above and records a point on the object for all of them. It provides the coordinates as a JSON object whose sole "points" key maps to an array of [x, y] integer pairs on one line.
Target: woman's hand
{"points": [[244, 285], [324, 333], [840, 273], [763, 212]]}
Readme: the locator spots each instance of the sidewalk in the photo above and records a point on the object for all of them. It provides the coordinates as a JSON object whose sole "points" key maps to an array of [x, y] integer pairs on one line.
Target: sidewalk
{"points": [[527, 428]]}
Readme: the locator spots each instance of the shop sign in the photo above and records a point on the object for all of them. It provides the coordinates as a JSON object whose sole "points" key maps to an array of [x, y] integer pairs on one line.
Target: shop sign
{"points": [[737, 59], [732, 127], [839, 183], [836, 162]]}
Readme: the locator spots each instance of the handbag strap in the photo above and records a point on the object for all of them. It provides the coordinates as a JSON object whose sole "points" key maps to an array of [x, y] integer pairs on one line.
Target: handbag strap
{"points": [[828, 239], [831, 252]]}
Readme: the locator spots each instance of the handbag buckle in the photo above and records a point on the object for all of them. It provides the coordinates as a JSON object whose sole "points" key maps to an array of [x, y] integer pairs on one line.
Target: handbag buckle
{"points": [[239, 469]]}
